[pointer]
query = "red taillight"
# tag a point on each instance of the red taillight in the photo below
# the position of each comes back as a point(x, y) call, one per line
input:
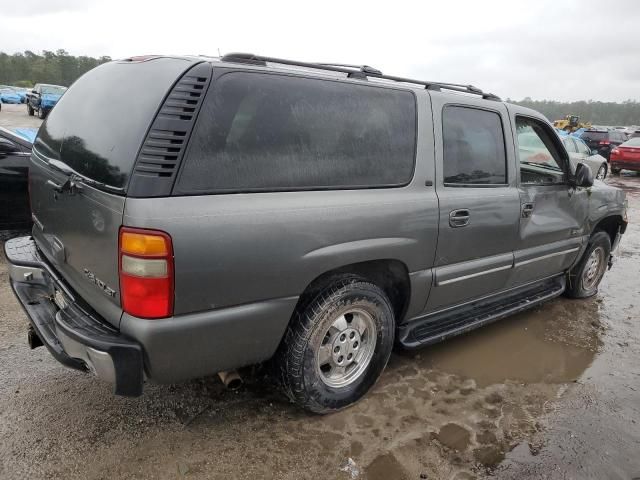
point(604, 142)
point(146, 272)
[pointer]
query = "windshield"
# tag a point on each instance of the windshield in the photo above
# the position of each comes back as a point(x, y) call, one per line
point(53, 89)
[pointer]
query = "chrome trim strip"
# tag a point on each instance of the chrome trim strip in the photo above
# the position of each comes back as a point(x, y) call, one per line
point(549, 255)
point(472, 275)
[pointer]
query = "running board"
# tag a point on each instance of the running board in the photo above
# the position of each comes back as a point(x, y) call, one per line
point(439, 326)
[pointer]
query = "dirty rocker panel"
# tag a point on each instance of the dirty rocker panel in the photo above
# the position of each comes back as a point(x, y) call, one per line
point(450, 322)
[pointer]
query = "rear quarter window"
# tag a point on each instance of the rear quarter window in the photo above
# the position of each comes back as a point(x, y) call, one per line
point(266, 132)
point(98, 125)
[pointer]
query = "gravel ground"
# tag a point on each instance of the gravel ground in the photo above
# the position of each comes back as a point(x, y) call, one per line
point(550, 393)
point(15, 116)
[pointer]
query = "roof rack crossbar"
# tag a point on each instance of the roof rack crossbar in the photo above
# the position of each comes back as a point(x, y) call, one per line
point(356, 71)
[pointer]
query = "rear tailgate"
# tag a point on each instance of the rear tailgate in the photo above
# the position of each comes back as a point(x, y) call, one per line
point(96, 130)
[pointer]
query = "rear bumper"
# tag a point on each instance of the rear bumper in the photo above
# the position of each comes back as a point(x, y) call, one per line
point(73, 334)
point(626, 164)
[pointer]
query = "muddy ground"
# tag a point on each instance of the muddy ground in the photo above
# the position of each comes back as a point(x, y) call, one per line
point(550, 393)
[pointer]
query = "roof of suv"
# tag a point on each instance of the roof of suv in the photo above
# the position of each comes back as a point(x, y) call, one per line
point(353, 72)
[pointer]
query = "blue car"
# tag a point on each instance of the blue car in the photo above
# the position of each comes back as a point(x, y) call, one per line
point(43, 98)
point(8, 95)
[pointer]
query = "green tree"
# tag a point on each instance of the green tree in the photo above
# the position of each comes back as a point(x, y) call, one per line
point(60, 68)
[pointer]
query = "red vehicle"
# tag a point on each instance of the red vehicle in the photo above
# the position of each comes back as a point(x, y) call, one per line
point(626, 156)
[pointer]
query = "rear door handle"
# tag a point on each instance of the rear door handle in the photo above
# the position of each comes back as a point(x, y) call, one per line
point(459, 217)
point(527, 210)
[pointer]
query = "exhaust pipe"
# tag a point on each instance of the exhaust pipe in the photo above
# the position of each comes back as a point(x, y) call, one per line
point(231, 380)
point(33, 338)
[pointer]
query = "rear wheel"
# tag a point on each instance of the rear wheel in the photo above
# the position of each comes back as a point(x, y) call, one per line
point(615, 171)
point(337, 345)
point(602, 172)
point(42, 114)
point(587, 274)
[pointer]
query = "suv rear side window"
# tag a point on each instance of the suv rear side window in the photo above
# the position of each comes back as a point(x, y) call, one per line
point(473, 147)
point(264, 132)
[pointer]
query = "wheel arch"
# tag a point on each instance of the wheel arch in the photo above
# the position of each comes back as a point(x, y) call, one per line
point(391, 275)
point(611, 225)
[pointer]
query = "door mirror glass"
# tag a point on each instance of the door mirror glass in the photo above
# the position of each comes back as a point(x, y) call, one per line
point(7, 147)
point(583, 176)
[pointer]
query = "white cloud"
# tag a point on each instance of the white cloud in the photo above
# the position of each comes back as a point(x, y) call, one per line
point(568, 50)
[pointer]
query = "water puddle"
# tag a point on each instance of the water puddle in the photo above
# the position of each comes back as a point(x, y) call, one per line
point(533, 347)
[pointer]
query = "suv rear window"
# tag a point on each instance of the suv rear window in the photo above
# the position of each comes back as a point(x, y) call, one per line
point(99, 124)
point(595, 136)
point(265, 132)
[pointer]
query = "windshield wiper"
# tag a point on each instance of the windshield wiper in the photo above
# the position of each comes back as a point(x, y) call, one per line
point(76, 178)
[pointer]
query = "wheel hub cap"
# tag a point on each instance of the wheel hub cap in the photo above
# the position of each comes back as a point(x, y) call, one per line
point(593, 269)
point(347, 348)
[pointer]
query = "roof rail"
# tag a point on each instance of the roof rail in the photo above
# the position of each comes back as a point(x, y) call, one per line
point(362, 72)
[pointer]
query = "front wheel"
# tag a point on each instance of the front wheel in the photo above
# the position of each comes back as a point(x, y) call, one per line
point(585, 277)
point(337, 345)
point(29, 109)
point(615, 171)
point(602, 172)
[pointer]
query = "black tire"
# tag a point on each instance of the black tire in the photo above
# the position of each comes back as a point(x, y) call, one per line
point(29, 109)
point(297, 361)
point(579, 283)
point(42, 114)
point(602, 172)
point(615, 171)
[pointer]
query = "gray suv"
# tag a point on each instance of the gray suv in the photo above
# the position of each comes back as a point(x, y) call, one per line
point(201, 214)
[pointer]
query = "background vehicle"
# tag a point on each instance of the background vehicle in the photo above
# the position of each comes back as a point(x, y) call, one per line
point(603, 141)
point(15, 214)
point(635, 134)
point(626, 156)
point(246, 211)
point(43, 98)
point(580, 152)
point(8, 95)
point(570, 123)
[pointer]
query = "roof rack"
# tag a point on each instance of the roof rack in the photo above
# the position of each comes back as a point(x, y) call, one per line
point(361, 72)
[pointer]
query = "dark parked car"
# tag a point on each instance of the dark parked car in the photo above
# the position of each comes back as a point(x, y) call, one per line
point(15, 214)
point(43, 98)
point(626, 156)
point(603, 141)
point(199, 215)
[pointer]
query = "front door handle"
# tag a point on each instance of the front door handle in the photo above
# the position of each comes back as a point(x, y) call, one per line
point(527, 210)
point(459, 217)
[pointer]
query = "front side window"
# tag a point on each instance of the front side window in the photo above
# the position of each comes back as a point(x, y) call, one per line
point(538, 155)
point(473, 147)
point(263, 132)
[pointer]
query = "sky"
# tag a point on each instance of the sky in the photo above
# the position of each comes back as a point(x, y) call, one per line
point(557, 50)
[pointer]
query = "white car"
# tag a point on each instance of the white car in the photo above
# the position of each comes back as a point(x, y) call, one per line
point(580, 152)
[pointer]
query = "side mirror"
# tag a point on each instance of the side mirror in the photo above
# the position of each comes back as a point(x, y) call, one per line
point(34, 91)
point(583, 176)
point(7, 147)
